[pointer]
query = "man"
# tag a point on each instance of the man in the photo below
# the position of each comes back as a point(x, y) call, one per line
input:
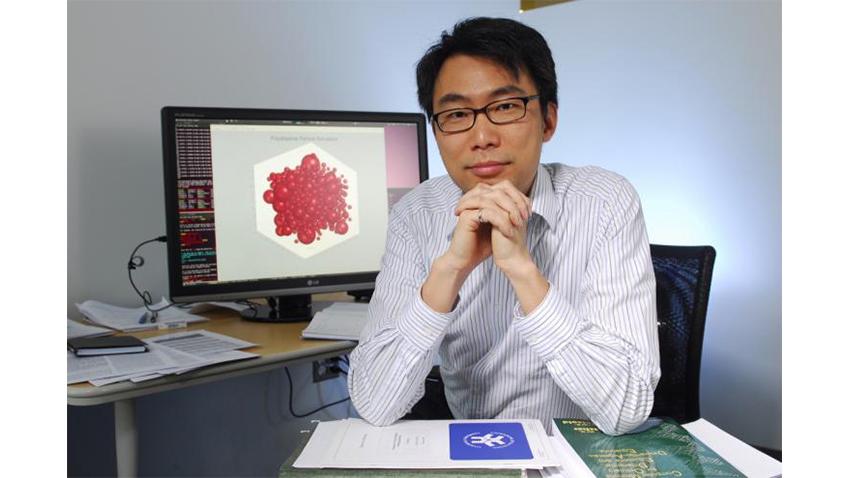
point(533, 282)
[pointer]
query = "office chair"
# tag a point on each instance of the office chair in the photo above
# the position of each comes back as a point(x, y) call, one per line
point(433, 404)
point(682, 282)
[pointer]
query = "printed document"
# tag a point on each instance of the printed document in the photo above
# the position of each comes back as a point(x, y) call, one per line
point(431, 444)
point(174, 359)
point(82, 369)
point(200, 342)
point(174, 353)
point(183, 363)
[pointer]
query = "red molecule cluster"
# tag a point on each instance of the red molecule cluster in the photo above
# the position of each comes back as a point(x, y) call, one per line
point(308, 199)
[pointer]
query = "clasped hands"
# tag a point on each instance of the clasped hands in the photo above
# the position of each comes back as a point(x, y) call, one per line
point(492, 220)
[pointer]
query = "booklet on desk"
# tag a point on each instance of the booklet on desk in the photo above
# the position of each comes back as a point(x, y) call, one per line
point(429, 444)
point(661, 448)
point(118, 344)
point(287, 470)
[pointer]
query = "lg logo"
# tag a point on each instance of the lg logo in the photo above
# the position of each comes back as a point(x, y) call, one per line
point(312, 281)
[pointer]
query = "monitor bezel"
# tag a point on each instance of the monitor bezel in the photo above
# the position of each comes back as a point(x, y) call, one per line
point(181, 293)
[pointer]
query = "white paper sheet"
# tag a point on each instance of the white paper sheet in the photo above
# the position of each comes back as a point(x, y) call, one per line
point(751, 462)
point(79, 329)
point(200, 342)
point(222, 357)
point(571, 464)
point(353, 443)
point(81, 369)
point(174, 353)
point(339, 321)
point(550, 472)
point(134, 319)
point(176, 359)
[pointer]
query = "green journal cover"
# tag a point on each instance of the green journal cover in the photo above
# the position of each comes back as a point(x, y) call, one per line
point(663, 450)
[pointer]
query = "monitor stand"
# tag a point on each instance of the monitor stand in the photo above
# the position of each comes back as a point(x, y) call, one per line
point(363, 295)
point(282, 309)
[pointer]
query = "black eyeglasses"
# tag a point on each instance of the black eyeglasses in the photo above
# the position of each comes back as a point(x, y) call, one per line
point(508, 110)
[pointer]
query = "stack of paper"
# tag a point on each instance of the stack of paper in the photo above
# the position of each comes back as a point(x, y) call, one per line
point(79, 329)
point(167, 354)
point(339, 321)
point(135, 319)
point(422, 444)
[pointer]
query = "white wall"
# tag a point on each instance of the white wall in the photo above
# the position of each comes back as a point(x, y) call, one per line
point(683, 98)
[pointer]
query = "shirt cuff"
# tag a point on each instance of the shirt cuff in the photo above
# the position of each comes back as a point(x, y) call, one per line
point(423, 327)
point(550, 327)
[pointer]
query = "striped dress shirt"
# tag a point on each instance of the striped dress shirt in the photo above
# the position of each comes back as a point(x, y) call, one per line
point(588, 350)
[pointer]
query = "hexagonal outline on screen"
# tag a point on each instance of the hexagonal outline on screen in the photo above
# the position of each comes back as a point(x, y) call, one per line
point(265, 213)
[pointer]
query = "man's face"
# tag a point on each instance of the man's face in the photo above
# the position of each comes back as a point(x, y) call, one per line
point(489, 153)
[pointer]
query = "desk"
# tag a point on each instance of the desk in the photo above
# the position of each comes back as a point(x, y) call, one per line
point(277, 345)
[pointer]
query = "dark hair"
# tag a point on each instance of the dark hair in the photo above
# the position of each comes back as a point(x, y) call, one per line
point(507, 42)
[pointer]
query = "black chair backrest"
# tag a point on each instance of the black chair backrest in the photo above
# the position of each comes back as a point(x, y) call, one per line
point(683, 280)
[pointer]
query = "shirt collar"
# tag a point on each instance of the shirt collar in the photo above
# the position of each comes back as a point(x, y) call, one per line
point(543, 200)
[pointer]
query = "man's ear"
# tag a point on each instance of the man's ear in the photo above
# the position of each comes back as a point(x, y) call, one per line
point(550, 121)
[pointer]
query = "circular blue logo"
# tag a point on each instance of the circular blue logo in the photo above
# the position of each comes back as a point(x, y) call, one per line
point(493, 440)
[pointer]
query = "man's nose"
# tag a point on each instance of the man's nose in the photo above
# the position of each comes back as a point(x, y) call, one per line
point(485, 133)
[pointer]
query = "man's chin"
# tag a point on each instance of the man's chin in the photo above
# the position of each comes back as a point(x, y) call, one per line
point(466, 179)
point(472, 181)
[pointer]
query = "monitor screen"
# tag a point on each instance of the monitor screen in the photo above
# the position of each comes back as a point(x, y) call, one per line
point(278, 203)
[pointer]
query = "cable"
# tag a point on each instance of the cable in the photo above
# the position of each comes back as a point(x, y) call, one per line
point(251, 305)
point(134, 263)
point(291, 411)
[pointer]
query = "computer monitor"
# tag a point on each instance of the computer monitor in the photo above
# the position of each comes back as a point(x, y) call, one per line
point(281, 204)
